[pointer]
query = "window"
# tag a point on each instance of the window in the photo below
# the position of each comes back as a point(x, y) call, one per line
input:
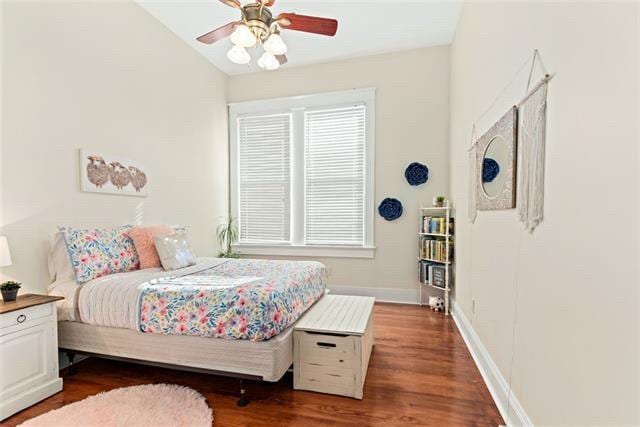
point(264, 178)
point(302, 174)
point(334, 175)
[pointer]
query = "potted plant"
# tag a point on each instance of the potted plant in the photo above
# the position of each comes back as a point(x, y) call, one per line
point(438, 201)
point(9, 290)
point(227, 234)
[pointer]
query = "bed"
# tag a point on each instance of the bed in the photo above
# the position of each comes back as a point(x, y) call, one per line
point(229, 317)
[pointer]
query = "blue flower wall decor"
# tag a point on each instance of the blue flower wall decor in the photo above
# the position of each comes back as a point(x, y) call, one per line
point(390, 209)
point(490, 169)
point(416, 173)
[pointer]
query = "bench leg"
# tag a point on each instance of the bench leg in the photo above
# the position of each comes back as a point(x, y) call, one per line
point(244, 400)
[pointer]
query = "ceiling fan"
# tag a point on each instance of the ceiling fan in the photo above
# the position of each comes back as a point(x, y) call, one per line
point(258, 26)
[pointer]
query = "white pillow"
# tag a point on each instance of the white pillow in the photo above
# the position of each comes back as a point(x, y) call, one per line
point(59, 263)
point(174, 251)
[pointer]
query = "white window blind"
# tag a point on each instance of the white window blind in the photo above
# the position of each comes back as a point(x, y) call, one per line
point(335, 176)
point(264, 178)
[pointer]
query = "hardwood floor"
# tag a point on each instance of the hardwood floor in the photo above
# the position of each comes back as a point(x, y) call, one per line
point(420, 374)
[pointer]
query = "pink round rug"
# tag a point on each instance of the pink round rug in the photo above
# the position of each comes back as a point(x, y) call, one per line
point(143, 405)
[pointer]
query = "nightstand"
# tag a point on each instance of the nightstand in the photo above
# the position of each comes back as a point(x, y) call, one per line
point(28, 352)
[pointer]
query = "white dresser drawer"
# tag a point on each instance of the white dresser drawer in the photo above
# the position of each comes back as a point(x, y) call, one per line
point(28, 352)
point(25, 317)
point(25, 359)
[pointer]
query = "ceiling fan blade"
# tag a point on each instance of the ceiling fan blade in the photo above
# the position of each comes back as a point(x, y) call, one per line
point(282, 59)
point(218, 34)
point(308, 24)
point(232, 3)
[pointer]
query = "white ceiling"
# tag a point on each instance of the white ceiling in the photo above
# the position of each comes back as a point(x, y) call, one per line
point(364, 27)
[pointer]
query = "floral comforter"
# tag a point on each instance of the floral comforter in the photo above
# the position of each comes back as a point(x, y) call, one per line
point(237, 299)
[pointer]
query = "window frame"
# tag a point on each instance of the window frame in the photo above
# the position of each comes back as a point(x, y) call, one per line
point(297, 105)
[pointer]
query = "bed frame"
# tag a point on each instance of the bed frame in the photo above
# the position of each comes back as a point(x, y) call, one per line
point(242, 359)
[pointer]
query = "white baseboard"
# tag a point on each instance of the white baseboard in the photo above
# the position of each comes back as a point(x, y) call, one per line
point(496, 383)
point(403, 296)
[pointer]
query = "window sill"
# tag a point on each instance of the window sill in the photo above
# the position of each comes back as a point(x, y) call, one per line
point(304, 251)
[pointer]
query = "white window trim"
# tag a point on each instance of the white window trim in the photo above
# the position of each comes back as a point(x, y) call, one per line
point(297, 105)
point(293, 249)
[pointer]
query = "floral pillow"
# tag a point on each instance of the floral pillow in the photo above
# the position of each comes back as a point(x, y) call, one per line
point(97, 252)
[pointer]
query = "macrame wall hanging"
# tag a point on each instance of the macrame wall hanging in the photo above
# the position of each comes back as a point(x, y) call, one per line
point(532, 115)
point(472, 207)
point(531, 130)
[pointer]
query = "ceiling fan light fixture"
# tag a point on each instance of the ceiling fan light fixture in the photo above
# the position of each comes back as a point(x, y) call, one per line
point(268, 61)
point(275, 45)
point(243, 36)
point(238, 55)
point(258, 25)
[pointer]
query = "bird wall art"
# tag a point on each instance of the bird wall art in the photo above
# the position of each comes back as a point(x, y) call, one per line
point(100, 173)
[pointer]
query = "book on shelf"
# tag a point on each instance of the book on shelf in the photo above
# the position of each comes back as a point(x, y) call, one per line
point(437, 276)
point(436, 225)
point(432, 274)
point(434, 249)
point(423, 272)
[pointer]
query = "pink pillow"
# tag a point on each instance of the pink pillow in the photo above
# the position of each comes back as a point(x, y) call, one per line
point(145, 245)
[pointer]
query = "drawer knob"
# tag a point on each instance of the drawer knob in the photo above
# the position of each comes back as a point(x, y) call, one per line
point(21, 318)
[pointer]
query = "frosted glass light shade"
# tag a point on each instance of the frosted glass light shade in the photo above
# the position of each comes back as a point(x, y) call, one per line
point(5, 255)
point(268, 62)
point(239, 55)
point(275, 45)
point(243, 36)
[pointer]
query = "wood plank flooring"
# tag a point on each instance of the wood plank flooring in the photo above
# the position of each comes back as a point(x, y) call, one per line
point(420, 373)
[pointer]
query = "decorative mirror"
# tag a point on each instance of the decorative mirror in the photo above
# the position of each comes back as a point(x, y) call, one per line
point(496, 164)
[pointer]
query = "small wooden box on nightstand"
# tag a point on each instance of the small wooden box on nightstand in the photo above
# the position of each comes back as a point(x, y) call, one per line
point(332, 345)
point(28, 352)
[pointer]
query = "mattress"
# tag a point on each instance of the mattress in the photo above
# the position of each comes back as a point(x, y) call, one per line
point(112, 300)
point(235, 299)
point(68, 307)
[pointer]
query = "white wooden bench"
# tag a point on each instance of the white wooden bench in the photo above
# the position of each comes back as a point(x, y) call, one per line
point(332, 345)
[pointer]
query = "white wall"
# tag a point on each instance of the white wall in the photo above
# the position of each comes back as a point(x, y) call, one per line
point(104, 75)
point(412, 124)
point(575, 355)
